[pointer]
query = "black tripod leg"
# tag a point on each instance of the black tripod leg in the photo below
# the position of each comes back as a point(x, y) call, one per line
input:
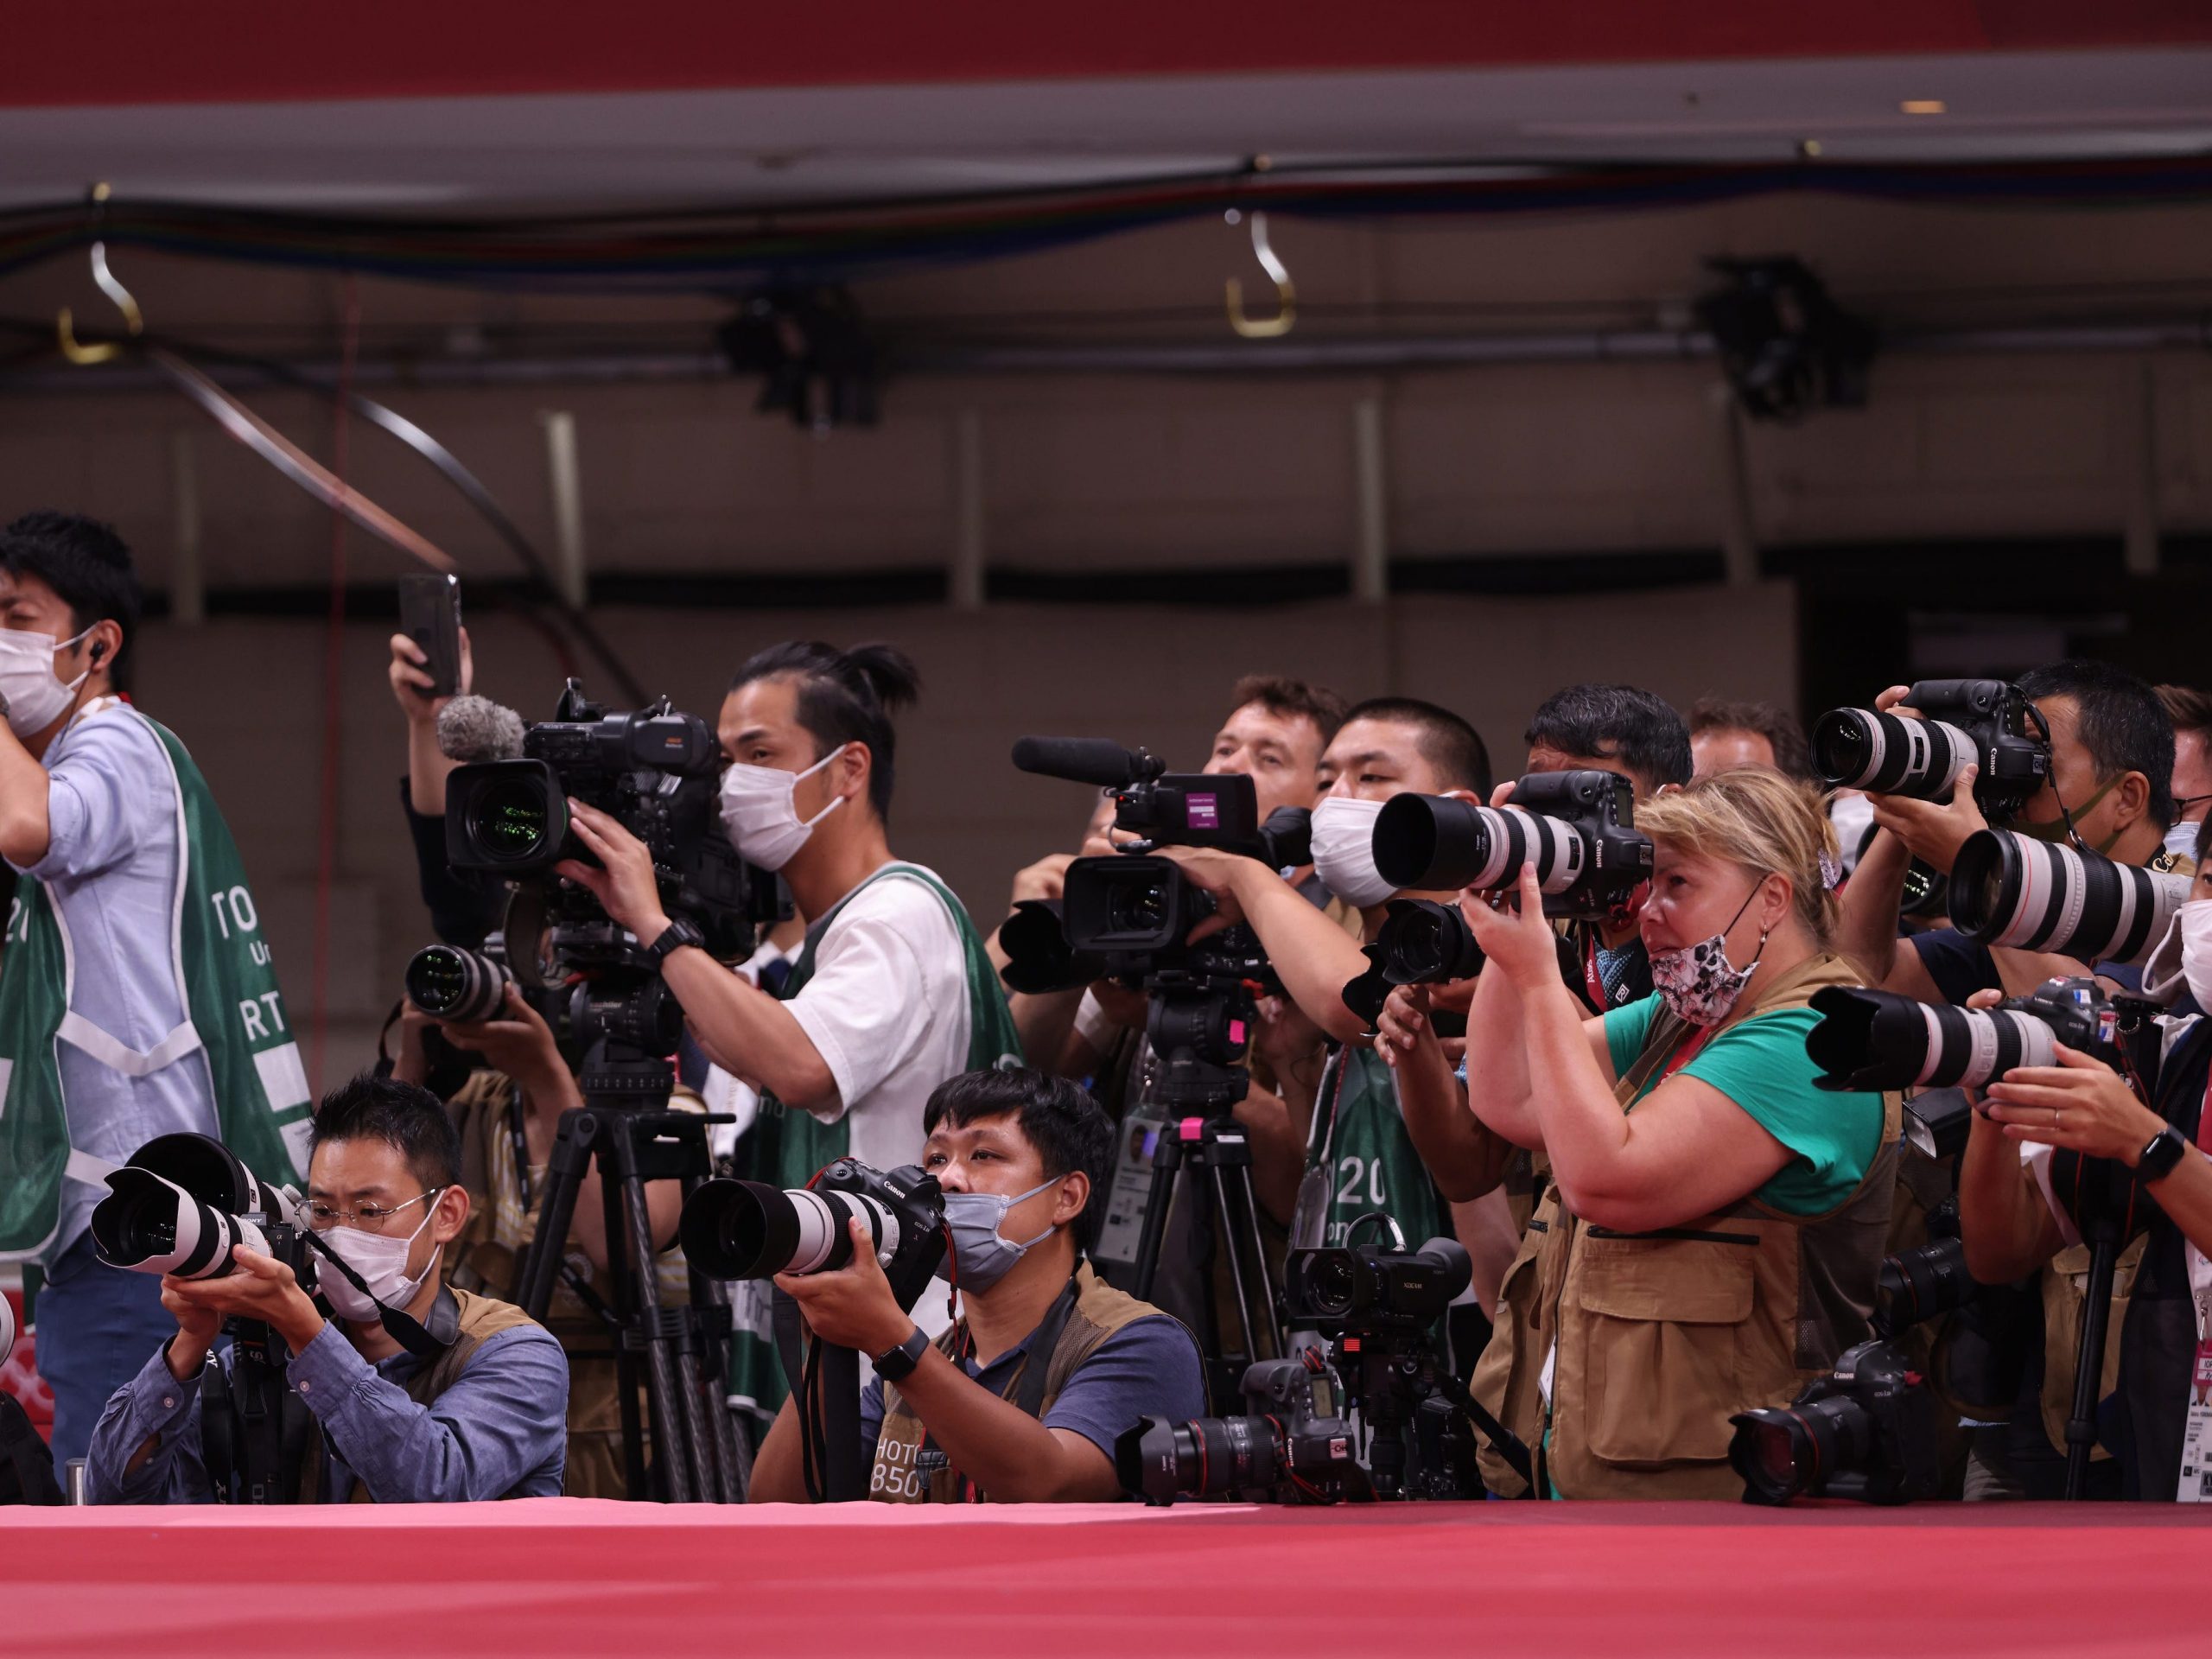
point(2090, 1365)
point(1257, 1239)
point(541, 1264)
point(733, 1469)
point(640, 1483)
point(1226, 1242)
point(1166, 1161)
point(630, 1261)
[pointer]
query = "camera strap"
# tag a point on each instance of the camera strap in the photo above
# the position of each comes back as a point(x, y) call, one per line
point(424, 1342)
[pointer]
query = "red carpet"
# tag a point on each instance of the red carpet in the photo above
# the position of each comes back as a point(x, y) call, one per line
point(556, 1576)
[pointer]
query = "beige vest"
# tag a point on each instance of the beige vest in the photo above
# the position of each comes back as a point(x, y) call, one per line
point(1660, 1336)
point(482, 1319)
point(899, 1476)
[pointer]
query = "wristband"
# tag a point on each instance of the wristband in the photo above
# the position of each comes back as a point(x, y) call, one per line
point(678, 934)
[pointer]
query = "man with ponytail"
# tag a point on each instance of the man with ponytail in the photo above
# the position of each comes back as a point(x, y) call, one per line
point(892, 993)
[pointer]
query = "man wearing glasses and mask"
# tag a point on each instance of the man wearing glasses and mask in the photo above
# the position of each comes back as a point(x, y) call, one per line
point(419, 1393)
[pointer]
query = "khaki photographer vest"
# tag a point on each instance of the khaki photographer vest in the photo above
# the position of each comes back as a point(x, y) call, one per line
point(898, 1478)
point(1662, 1336)
point(482, 1318)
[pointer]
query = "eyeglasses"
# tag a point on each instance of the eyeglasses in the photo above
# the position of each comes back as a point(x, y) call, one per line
point(369, 1217)
point(2182, 802)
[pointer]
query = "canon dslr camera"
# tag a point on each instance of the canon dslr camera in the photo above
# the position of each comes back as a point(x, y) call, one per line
point(1577, 827)
point(1987, 723)
point(1865, 1433)
point(746, 1229)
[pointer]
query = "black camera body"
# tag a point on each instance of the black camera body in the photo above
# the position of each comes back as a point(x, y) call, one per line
point(1294, 1446)
point(1879, 1039)
point(1422, 942)
point(1988, 723)
point(748, 1229)
point(655, 771)
point(1577, 827)
point(1866, 1433)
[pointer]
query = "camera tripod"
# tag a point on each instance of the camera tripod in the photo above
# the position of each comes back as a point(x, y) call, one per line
point(1214, 1148)
point(1399, 1383)
point(624, 1127)
point(2108, 1219)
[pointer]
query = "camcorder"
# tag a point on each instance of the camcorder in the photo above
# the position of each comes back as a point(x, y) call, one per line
point(1866, 1433)
point(1869, 1040)
point(1988, 723)
point(1577, 827)
point(2026, 894)
point(657, 772)
point(746, 1229)
point(1129, 915)
point(1300, 1442)
point(185, 1205)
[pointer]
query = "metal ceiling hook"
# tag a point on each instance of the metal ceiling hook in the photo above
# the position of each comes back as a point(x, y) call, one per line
point(134, 320)
point(1285, 292)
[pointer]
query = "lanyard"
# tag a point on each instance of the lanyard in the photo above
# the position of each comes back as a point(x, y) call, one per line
point(1591, 979)
point(1685, 1054)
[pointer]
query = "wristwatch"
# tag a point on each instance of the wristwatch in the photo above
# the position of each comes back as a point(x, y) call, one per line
point(678, 934)
point(2157, 1160)
point(897, 1365)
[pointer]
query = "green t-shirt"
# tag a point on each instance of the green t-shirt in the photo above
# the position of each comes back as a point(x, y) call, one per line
point(1761, 1065)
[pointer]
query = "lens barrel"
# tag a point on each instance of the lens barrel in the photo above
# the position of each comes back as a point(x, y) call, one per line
point(150, 1224)
point(1207, 1457)
point(1878, 1039)
point(1424, 943)
point(1888, 755)
point(746, 1229)
point(450, 983)
point(1785, 1452)
point(1434, 843)
point(2013, 890)
point(1917, 1284)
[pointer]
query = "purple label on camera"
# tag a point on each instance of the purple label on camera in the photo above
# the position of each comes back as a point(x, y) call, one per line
point(1201, 812)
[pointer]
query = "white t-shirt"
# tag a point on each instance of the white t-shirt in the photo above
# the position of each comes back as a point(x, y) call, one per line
point(887, 1007)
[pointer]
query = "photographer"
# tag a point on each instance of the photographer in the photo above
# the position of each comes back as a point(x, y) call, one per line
point(1345, 1117)
point(1724, 735)
point(2020, 1187)
point(2190, 710)
point(506, 1117)
point(1716, 1222)
point(477, 1414)
point(2112, 765)
point(1020, 1401)
point(137, 995)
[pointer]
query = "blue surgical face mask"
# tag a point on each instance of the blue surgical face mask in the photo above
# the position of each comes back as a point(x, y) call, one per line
point(980, 1256)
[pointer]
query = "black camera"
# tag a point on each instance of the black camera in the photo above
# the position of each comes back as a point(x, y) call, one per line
point(1922, 1283)
point(1866, 1433)
point(1878, 1039)
point(745, 1229)
point(1421, 942)
point(183, 1206)
point(450, 983)
point(1988, 723)
point(1577, 827)
point(2016, 891)
point(1295, 1444)
point(656, 772)
point(1372, 1291)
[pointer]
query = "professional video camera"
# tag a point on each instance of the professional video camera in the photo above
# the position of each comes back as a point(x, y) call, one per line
point(1421, 942)
point(1868, 1432)
point(656, 773)
point(1878, 1039)
point(2013, 890)
point(744, 1229)
point(1989, 723)
point(447, 981)
point(1577, 827)
point(183, 1206)
point(1378, 1308)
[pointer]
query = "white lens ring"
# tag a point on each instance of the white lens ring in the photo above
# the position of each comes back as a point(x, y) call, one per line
point(818, 1222)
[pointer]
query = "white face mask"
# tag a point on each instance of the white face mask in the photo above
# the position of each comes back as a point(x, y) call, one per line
point(35, 699)
point(1343, 850)
point(2180, 840)
point(2192, 924)
point(760, 815)
point(1852, 816)
point(381, 1259)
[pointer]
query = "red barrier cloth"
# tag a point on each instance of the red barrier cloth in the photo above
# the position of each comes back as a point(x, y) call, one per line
point(560, 1576)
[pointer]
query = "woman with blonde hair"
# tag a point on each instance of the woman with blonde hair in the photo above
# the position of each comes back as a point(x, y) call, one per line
point(1714, 1223)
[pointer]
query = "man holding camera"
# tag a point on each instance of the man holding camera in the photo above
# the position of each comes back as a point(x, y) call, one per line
point(892, 991)
point(137, 995)
point(2110, 771)
point(1020, 1401)
point(471, 1405)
